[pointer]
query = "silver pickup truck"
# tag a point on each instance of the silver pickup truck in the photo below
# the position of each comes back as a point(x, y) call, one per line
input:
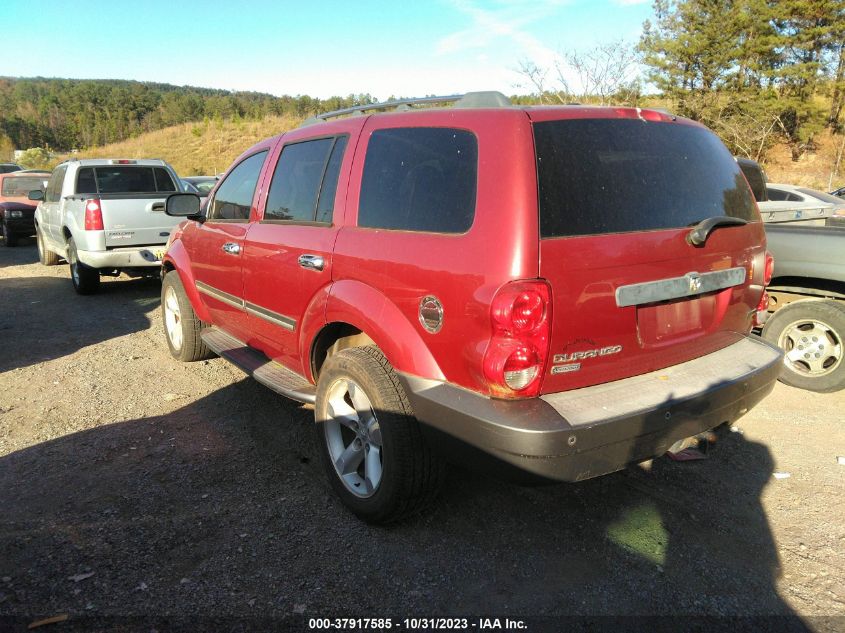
point(105, 217)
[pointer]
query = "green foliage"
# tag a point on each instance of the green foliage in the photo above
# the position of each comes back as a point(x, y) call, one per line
point(66, 113)
point(35, 158)
point(750, 69)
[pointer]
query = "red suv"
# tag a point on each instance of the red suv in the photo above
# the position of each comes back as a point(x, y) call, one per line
point(569, 289)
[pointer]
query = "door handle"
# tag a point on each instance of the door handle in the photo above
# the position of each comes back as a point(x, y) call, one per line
point(312, 262)
point(231, 248)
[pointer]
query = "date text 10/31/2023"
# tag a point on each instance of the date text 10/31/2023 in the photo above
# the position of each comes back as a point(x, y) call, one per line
point(416, 624)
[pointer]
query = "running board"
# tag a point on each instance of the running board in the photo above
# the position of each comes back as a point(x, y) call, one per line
point(268, 372)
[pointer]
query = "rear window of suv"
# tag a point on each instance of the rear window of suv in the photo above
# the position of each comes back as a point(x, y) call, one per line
point(124, 179)
point(419, 179)
point(619, 175)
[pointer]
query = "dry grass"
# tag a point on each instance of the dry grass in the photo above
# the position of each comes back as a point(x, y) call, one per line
point(206, 147)
point(814, 169)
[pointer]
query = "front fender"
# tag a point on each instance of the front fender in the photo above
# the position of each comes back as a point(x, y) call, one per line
point(177, 258)
point(376, 316)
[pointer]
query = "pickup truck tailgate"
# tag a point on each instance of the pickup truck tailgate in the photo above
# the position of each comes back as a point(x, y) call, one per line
point(136, 221)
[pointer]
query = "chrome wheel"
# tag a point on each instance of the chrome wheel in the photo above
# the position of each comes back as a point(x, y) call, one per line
point(173, 318)
point(74, 267)
point(812, 347)
point(353, 438)
point(40, 244)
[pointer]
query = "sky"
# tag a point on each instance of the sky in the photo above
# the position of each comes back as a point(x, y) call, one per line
point(407, 48)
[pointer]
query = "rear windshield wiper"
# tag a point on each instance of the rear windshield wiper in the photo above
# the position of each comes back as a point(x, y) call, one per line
point(701, 231)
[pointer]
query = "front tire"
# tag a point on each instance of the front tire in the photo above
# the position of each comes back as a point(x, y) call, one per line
point(182, 328)
point(86, 280)
point(45, 255)
point(372, 448)
point(812, 334)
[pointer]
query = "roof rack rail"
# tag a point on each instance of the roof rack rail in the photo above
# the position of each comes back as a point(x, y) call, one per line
point(488, 99)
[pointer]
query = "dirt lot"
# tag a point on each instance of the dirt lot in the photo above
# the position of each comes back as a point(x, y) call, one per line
point(132, 485)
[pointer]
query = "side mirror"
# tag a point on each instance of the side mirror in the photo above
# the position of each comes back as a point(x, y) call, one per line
point(36, 194)
point(183, 205)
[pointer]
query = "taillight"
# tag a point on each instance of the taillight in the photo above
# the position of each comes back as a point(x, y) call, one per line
point(520, 315)
point(93, 216)
point(769, 270)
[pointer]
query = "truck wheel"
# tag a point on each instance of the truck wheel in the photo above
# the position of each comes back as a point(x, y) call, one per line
point(181, 325)
point(374, 454)
point(45, 255)
point(86, 280)
point(9, 238)
point(812, 333)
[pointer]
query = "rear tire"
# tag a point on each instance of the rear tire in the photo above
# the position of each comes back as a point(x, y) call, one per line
point(9, 238)
point(45, 255)
point(86, 280)
point(372, 448)
point(182, 328)
point(812, 334)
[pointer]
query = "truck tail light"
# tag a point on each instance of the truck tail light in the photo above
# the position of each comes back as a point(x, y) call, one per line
point(520, 315)
point(93, 216)
point(769, 270)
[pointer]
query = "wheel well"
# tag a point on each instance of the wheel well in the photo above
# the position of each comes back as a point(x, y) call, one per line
point(794, 288)
point(332, 339)
point(66, 233)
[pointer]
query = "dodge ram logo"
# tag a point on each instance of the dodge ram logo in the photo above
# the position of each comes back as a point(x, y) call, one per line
point(694, 282)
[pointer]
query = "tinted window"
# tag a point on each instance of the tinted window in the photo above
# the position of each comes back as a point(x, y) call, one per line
point(54, 186)
point(777, 195)
point(85, 182)
point(419, 179)
point(293, 192)
point(163, 180)
point(234, 196)
point(8, 168)
point(325, 207)
point(125, 179)
point(21, 186)
point(615, 176)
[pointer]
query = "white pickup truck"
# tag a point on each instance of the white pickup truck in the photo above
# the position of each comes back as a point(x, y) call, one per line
point(105, 217)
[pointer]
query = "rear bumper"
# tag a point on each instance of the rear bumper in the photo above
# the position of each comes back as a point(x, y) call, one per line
point(583, 433)
point(137, 257)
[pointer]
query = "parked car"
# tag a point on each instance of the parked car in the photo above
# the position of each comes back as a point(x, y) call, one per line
point(6, 168)
point(839, 193)
point(203, 184)
point(404, 273)
point(807, 294)
point(105, 216)
point(16, 210)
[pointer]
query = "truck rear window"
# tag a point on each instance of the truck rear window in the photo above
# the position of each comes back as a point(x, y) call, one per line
point(620, 175)
point(124, 179)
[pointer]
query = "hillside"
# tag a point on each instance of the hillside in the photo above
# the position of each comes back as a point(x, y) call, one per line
point(209, 147)
point(195, 148)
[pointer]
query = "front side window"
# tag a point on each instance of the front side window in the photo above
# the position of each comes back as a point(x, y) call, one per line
point(233, 200)
point(419, 179)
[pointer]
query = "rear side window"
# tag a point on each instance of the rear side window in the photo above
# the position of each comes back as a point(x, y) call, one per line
point(419, 179)
point(233, 199)
point(296, 181)
point(617, 176)
point(54, 185)
point(163, 180)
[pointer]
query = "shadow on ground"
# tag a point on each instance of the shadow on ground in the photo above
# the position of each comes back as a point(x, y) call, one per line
point(62, 320)
point(221, 509)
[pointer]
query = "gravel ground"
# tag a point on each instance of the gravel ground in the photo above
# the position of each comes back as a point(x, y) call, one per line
point(133, 486)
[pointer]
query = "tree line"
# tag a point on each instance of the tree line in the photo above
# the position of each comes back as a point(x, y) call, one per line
point(65, 114)
point(755, 71)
